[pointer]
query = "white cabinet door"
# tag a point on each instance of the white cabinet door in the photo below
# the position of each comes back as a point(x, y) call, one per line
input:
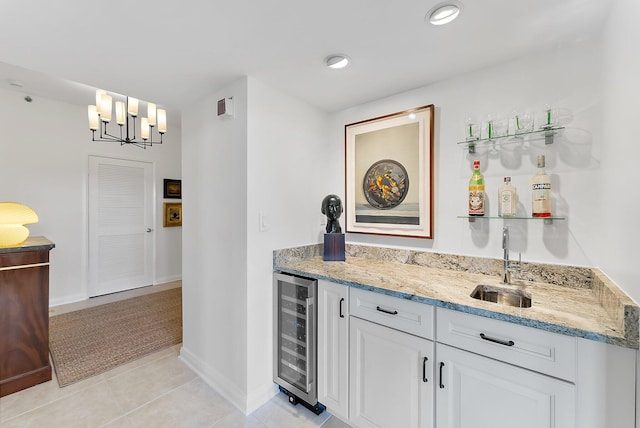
point(391, 382)
point(478, 392)
point(333, 347)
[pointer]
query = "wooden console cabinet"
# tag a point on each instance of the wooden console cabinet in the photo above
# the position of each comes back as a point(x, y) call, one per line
point(24, 315)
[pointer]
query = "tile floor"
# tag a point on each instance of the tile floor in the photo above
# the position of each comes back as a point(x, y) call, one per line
point(155, 391)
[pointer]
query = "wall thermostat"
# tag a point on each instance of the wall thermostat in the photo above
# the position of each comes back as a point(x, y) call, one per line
point(225, 107)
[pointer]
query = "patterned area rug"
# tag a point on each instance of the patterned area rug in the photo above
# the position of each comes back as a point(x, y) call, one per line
point(91, 341)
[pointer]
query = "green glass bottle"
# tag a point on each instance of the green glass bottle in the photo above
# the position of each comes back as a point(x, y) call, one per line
point(476, 191)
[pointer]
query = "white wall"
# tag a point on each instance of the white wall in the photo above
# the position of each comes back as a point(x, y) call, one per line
point(568, 78)
point(287, 160)
point(619, 234)
point(270, 159)
point(214, 158)
point(44, 150)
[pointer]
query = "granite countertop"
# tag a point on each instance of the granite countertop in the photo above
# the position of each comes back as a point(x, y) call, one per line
point(32, 243)
point(580, 302)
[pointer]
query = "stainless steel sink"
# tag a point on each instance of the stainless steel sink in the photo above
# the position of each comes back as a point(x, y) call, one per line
point(502, 295)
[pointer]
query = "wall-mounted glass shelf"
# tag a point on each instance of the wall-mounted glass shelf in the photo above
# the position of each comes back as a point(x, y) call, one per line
point(546, 132)
point(547, 220)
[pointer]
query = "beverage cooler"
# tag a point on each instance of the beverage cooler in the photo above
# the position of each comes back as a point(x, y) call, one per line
point(294, 342)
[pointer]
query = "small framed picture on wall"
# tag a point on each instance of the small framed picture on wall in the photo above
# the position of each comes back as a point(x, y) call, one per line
point(172, 188)
point(172, 214)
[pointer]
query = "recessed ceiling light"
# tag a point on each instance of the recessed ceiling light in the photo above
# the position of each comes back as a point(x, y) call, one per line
point(444, 13)
point(337, 61)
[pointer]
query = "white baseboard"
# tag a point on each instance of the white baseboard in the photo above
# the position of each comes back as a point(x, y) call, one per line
point(68, 299)
point(260, 396)
point(223, 386)
point(165, 279)
point(215, 379)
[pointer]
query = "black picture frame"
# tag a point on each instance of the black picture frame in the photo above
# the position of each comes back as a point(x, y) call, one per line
point(172, 188)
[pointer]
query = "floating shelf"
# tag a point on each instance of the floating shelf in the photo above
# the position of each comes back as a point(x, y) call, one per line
point(547, 220)
point(547, 132)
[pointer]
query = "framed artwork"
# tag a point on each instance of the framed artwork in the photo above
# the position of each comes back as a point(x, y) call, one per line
point(172, 189)
point(389, 174)
point(172, 214)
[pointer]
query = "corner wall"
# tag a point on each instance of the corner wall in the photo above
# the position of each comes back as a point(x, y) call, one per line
point(287, 161)
point(619, 234)
point(252, 184)
point(214, 245)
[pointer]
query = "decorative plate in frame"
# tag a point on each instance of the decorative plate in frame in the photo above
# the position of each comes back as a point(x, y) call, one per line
point(382, 155)
point(385, 184)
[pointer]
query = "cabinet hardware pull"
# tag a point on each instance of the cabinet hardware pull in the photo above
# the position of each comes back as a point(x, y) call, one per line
point(441, 366)
point(424, 369)
point(494, 340)
point(341, 302)
point(386, 311)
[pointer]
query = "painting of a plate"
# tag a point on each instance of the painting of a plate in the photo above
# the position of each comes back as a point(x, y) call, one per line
point(385, 184)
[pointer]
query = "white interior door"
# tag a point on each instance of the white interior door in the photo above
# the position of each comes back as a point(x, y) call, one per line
point(120, 225)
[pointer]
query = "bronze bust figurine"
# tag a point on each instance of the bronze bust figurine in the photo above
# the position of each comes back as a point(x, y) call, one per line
point(332, 208)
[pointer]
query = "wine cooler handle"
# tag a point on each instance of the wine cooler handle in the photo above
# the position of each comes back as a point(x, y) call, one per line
point(341, 302)
point(307, 338)
point(424, 369)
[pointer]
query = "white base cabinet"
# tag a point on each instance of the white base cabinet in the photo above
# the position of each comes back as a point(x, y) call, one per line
point(391, 378)
point(473, 391)
point(376, 368)
point(333, 347)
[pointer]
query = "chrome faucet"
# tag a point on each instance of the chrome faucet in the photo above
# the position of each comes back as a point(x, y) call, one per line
point(508, 266)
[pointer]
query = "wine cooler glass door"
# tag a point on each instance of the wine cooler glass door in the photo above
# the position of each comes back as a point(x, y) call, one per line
point(295, 350)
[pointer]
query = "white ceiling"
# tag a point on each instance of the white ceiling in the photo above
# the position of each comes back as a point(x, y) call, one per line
point(174, 52)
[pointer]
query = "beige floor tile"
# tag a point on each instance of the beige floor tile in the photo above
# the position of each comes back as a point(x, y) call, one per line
point(146, 383)
point(88, 407)
point(40, 395)
point(193, 405)
point(239, 420)
point(334, 422)
point(121, 422)
point(173, 351)
point(279, 413)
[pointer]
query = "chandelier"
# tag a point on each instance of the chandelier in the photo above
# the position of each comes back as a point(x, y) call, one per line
point(126, 114)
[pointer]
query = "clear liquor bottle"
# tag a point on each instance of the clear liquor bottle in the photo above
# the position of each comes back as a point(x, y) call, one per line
point(507, 199)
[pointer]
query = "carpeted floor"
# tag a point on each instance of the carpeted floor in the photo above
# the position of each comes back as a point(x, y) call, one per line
point(91, 341)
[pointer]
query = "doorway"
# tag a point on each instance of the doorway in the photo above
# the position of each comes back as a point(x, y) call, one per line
point(120, 225)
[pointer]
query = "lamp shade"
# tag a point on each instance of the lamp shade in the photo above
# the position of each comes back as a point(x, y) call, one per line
point(13, 217)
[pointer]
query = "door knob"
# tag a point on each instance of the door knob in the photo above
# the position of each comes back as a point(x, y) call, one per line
point(149, 229)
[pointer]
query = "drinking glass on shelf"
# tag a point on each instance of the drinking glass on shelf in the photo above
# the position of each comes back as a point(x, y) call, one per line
point(472, 131)
point(500, 127)
point(549, 119)
point(487, 129)
point(522, 123)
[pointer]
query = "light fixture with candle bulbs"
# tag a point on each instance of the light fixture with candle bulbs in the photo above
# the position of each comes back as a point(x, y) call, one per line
point(126, 114)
